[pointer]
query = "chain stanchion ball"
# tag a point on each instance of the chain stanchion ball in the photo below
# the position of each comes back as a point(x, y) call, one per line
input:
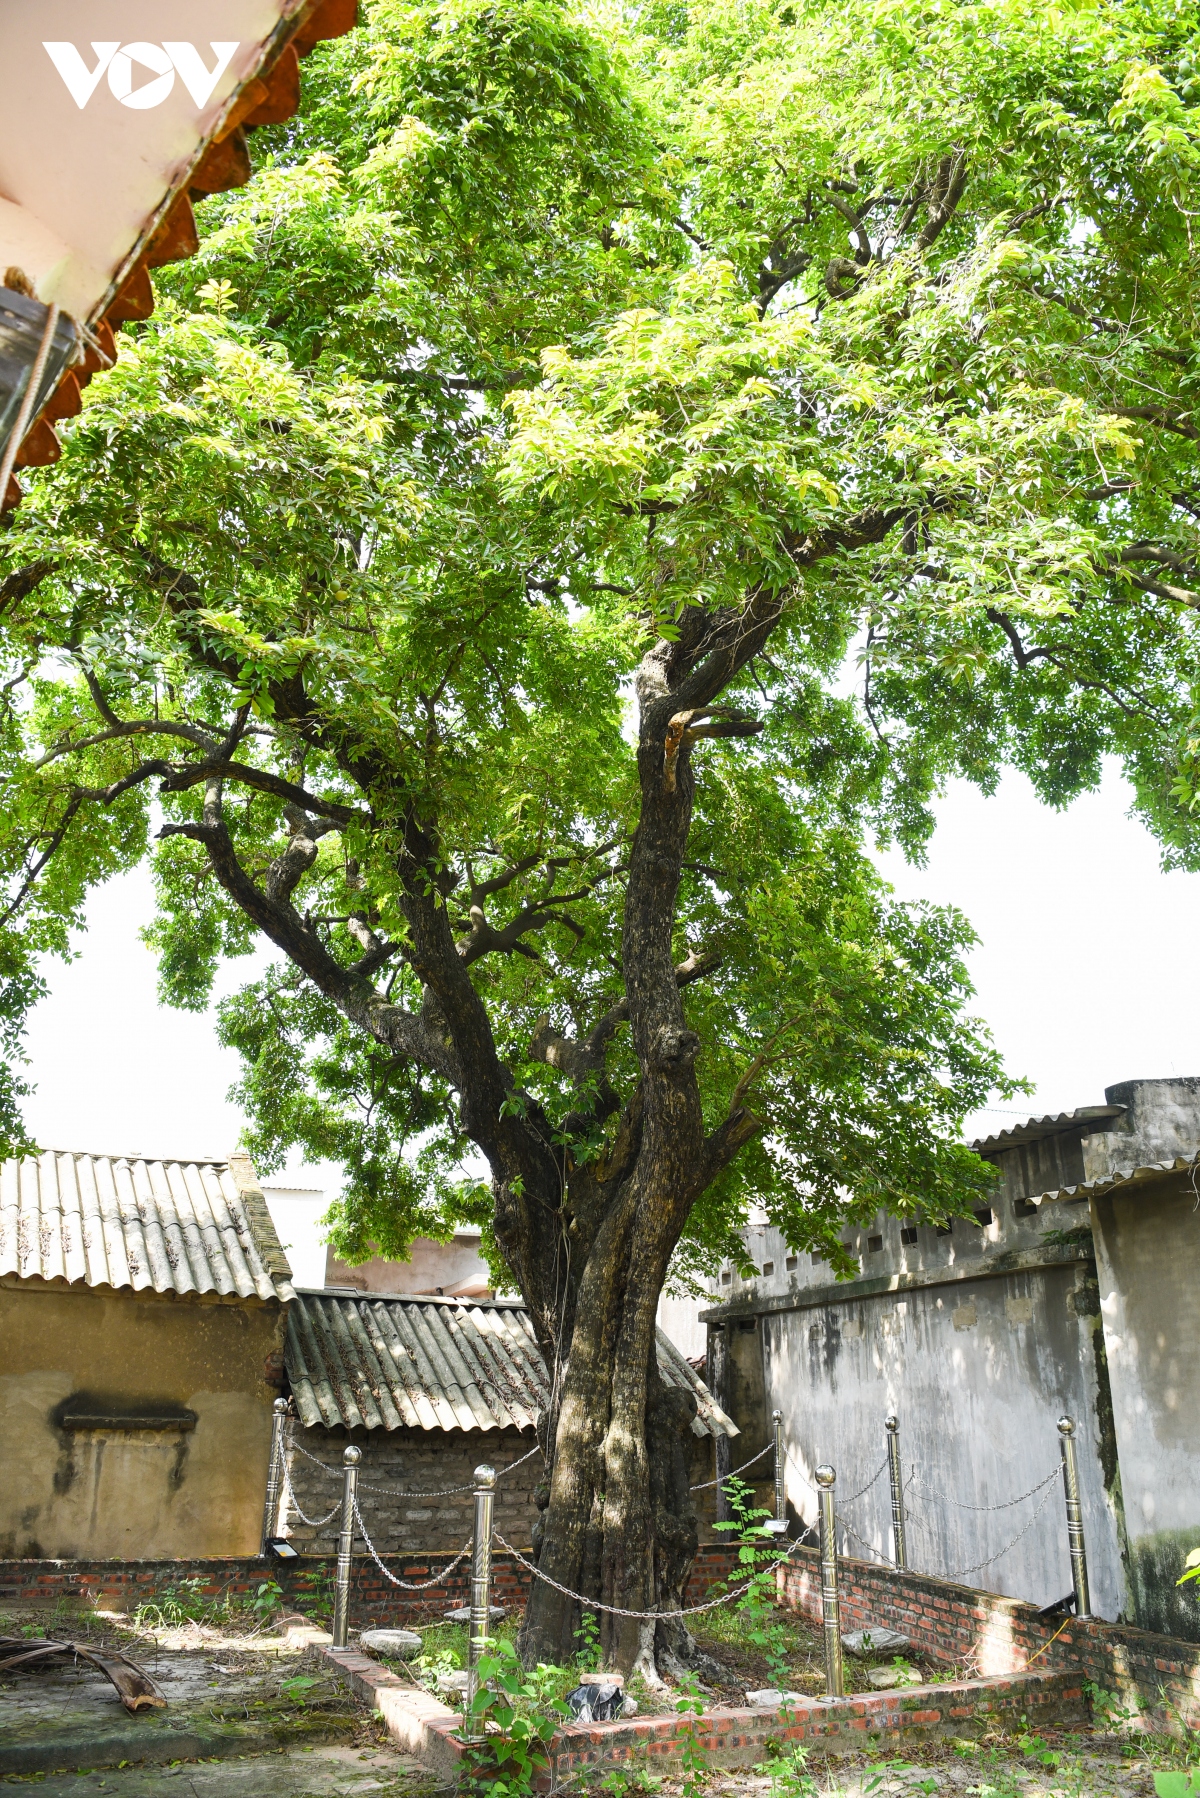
point(831, 1616)
point(899, 1544)
point(341, 1603)
point(270, 1522)
point(481, 1594)
point(1075, 1542)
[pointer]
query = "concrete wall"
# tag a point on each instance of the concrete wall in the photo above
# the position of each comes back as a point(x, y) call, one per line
point(978, 1371)
point(434, 1267)
point(979, 1335)
point(1160, 1120)
point(1148, 1262)
point(296, 1213)
point(138, 1493)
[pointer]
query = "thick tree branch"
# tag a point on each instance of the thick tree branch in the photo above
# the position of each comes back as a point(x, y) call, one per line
point(23, 581)
point(180, 779)
point(1179, 422)
point(947, 191)
point(1022, 656)
point(415, 1037)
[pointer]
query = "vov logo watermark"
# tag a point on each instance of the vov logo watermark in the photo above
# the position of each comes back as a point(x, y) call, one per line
point(163, 61)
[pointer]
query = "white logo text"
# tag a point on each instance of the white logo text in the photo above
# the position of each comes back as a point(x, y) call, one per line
point(162, 61)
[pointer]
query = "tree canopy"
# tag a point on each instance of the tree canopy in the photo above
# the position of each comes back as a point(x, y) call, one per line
point(603, 469)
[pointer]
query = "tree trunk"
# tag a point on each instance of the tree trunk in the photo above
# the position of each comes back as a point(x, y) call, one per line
point(619, 1525)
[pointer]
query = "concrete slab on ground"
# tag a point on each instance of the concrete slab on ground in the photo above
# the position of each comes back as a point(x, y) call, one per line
point(323, 1772)
point(223, 1700)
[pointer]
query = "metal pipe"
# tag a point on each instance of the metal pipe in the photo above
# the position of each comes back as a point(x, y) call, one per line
point(780, 1496)
point(830, 1608)
point(899, 1546)
point(481, 1593)
point(270, 1524)
point(341, 1603)
point(1075, 1542)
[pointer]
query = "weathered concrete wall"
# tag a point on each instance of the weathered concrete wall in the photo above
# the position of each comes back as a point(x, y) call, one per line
point(431, 1267)
point(978, 1371)
point(1148, 1262)
point(1161, 1120)
point(138, 1493)
point(979, 1336)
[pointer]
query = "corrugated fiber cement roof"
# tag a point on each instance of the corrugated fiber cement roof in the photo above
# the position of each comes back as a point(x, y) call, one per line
point(436, 1364)
point(125, 1221)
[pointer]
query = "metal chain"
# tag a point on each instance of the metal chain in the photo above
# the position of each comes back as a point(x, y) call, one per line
point(291, 1502)
point(854, 1496)
point(410, 1585)
point(394, 1492)
point(1005, 1505)
point(615, 1610)
point(705, 1484)
point(862, 1542)
point(977, 1566)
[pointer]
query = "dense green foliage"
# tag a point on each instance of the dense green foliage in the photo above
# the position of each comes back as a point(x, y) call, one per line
point(538, 331)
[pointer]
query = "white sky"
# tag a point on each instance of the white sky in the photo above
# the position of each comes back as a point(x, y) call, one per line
point(1087, 974)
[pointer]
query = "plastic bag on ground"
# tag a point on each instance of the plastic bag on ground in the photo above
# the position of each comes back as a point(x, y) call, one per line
point(596, 1703)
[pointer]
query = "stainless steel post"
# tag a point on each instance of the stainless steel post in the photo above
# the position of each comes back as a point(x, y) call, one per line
point(1075, 1542)
point(899, 1546)
point(780, 1498)
point(481, 1593)
point(270, 1523)
point(341, 1602)
point(830, 1608)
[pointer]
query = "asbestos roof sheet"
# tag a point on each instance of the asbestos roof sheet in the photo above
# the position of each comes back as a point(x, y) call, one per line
point(127, 1222)
point(1120, 1177)
point(1090, 1117)
point(435, 1364)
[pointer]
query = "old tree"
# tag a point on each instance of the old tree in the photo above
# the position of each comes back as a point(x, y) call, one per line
point(599, 472)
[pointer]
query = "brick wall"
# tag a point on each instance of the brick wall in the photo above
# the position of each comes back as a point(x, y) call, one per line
point(1157, 1676)
point(123, 1585)
point(413, 1467)
point(423, 1464)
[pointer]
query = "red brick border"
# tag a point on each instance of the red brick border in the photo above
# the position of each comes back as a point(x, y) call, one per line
point(882, 1722)
point(1158, 1676)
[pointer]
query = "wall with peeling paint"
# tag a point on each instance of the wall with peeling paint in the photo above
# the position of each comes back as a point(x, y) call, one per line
point(978, 1371)
point(1148, 1264)
point(206, 1371)
point(1076, 1291)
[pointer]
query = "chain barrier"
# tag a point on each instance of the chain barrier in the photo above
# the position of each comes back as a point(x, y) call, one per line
point(615, 1610)
point(977, 1566)
point(705, 1484)
point(393, 1491)
point(862, 1542)
point(1005, 1505)
point(854, 1496)
point(291, 1502)
point(439, 1579)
